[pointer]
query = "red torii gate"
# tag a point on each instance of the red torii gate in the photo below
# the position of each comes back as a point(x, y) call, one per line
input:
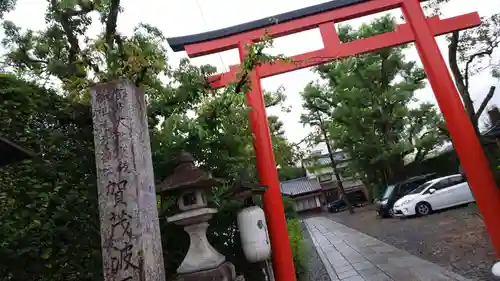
point(418, 29)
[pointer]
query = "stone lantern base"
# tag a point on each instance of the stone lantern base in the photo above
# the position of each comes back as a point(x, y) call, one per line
point(224, 272)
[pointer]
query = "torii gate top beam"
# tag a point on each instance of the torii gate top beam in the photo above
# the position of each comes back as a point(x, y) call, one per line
point(178, 43)
point(334, 49)
point(288, 23)
point(323, 16)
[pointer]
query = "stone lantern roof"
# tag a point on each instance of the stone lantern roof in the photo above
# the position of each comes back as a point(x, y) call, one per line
point(187, 176)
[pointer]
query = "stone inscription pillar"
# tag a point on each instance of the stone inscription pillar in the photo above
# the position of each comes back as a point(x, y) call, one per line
point(130, 232)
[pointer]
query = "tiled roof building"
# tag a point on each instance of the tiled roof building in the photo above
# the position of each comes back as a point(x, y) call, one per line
point(320, 186)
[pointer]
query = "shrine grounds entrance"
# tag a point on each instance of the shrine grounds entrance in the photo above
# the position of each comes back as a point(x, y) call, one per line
point(418, 29)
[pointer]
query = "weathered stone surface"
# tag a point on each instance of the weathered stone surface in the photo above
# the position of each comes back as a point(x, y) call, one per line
point(201, 255)
point(225, 272)
point(130, 232)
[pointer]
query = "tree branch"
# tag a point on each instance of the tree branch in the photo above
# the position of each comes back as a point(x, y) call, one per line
point(420, 155)
point(452, 59)
point(460, 80)
point(384, 79)
point(444, 130)
point(64, 19)
point(485, 102)
point(243, 80)
point(94, 67)
point(111, 22)
point(85, 8)
point(246, 72)
point(26, 59)
point(470, 60)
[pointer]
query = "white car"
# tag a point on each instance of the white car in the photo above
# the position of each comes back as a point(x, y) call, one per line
point(433, 195)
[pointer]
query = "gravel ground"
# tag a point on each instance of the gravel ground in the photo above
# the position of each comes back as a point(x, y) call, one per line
point(315, 269)
point(454, 238)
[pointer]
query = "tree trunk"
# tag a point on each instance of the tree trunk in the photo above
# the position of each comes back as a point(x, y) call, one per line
point(334, 167)
point(460, 80)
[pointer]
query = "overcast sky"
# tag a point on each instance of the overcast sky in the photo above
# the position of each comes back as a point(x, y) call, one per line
point(184, 17)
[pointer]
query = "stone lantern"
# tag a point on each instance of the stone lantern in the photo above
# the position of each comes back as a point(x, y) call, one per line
point(190, 184)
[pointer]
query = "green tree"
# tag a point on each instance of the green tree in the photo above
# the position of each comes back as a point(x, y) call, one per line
point(368, 100)
point(316, 119)
point(6, 6)
point(57, 52)
point(291, 172)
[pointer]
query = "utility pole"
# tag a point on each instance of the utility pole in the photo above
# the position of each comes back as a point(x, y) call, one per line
point(334, 165)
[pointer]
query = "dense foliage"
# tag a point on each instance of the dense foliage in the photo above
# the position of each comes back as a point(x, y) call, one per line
point(50, 227)
point(48, 203)
point(296, 241)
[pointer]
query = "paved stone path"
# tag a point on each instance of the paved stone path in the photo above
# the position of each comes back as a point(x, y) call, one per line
point(350, 255)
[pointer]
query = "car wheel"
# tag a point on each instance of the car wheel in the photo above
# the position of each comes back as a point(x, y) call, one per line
point(423, 209)
point(384, 215)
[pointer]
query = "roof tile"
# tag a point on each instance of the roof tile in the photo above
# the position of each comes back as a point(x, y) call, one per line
point(299, 186)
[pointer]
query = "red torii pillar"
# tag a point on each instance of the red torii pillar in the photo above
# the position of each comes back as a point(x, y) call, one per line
point(418, 29)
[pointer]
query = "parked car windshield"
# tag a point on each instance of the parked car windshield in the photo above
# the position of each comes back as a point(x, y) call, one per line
point(388, 192)
point(421, 188)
